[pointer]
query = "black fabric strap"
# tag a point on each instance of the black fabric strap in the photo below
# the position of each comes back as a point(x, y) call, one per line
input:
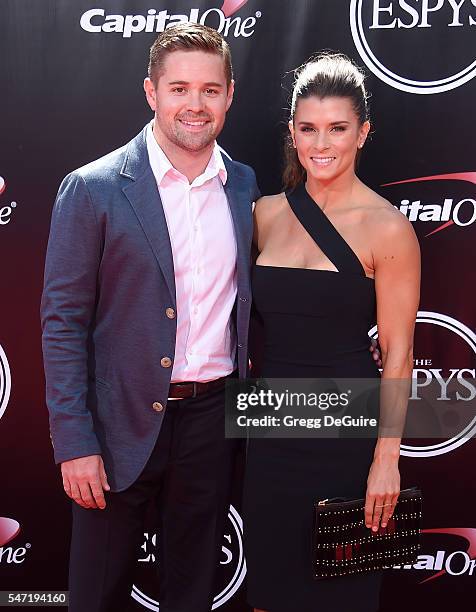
point(321, 230)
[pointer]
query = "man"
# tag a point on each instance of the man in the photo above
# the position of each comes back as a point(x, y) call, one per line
point(145, 312)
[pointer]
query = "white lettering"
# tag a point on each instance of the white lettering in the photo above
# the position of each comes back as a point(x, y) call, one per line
point(456, 210)
point(85, 21)
point(376, 12)
point(444, 385)
point(133, 23)
point(248, 24)
point(411, 11)
point(471, 20)
point(422, 362)
point(226, 551)
point(113, 23)
point(450, 558)
point(440, 557)
point(445, 215)
point(466, 384)
point(414, 208)
point(162, 18)
point(425, 9)
point(456, 9)
point(158, 22)
point(5, 215)
point(430, 212)
point(416, 211)
point(194, 15)
point(176, 20)
point(422, 378)
point(150, 23)
point(425, 562)
point(221, 18)
point(13, 555)
point(418, 383)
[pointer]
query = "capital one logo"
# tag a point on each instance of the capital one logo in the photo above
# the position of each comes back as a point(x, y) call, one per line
point(390, 34)
point(9, 529)
point(460, 378)
point(97, 20)
point(232, 563)
point(446, 211)
point(5, 382)
point(5, 211)
point(455, 563)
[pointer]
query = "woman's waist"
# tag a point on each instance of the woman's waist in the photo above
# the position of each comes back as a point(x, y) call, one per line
point(347, 362)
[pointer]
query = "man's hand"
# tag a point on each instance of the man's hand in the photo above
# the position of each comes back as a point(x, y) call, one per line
point(375, 352)
point(84, 480)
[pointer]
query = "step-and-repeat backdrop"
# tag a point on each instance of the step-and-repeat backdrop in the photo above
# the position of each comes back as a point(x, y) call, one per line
point(71, 90)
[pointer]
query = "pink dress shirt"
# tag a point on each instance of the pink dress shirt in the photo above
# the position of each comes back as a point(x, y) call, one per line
point(204, 254)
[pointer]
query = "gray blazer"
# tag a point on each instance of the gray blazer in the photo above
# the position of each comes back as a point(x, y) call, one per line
point(109, 278)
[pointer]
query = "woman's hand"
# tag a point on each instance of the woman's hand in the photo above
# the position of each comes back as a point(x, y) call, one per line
point(383, 489)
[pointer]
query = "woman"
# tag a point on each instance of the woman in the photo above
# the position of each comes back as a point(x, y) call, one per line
point(318, 295)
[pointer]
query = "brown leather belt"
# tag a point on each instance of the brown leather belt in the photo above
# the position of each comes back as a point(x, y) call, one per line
point(184, 390)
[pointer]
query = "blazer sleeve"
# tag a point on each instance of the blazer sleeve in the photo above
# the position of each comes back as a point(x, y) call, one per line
point(67, 309)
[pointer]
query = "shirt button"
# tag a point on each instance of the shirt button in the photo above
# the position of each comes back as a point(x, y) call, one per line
point(170, 312)
point(157, 406)
point(166, 362)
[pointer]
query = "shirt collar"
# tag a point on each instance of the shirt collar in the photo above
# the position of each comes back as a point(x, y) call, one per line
point(161, 165)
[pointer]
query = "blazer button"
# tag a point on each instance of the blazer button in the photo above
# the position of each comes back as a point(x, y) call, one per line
point(157, 406)
point(166, 362)
point(243, 299)
point(170, 312)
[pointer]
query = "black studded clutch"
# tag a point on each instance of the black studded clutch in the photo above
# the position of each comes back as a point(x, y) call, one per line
point(342, 544)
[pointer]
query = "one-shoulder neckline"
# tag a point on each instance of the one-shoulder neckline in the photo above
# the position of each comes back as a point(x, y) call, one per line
point(314, 270)
point(324, 233)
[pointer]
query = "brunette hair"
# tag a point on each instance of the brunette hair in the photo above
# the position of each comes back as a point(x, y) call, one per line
point(325, 75)
point(188, 37)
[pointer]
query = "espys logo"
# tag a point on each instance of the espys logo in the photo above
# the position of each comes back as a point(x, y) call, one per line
point(96, 20)
point(455, 563)
point(5, 382)
point(232, 564)
point(5, 211)
point(9, 529)
point(460, 211)
point(460, 377)
point(382, 28)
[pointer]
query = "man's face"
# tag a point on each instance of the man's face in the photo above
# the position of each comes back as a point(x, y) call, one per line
point(191, 99)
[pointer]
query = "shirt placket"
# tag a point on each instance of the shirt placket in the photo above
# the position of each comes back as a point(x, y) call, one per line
point(195, 266)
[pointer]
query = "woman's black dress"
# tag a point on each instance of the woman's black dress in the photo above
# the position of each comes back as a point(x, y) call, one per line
point(316, 324)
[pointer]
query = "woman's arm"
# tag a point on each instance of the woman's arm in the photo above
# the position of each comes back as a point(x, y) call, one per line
point(397, 283)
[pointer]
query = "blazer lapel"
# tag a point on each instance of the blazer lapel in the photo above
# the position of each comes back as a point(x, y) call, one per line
point(240, 207)
point(143, 195)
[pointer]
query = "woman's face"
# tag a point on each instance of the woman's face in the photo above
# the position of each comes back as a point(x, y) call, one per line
point(327, 134)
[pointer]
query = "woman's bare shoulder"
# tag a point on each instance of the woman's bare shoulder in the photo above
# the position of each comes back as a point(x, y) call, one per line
point(269, 204)
point(383, 217)
point(387, 229)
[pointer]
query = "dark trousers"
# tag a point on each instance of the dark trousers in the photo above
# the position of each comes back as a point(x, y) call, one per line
point(189, 476)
